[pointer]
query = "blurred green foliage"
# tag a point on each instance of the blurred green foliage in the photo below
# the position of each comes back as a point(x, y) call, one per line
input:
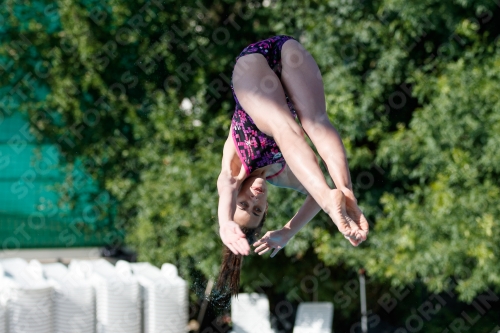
point(139, 93)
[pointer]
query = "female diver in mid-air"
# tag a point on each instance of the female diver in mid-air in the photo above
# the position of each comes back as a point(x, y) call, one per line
point(275, 81)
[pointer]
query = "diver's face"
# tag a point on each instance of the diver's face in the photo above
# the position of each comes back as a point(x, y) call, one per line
point(251, 202)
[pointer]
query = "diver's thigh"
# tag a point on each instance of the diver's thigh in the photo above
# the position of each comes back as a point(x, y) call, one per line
point(302, 80)
point(260, 93)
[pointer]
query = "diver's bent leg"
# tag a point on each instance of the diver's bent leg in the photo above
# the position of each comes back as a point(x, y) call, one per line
point(304, 85)
point(261, 94)
point(302, 80)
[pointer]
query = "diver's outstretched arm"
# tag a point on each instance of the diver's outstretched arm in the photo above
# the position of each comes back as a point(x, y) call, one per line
point(277, 239)
point(230, 232)
point(227, 186)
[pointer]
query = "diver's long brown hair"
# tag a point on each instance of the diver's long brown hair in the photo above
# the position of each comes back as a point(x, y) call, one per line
point(229, 276)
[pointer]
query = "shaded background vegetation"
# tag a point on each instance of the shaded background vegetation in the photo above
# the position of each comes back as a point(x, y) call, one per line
point(137, 94)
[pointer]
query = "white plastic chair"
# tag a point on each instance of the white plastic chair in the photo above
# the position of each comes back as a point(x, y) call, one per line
point(74, 300)
point(3, 314)
point(169, 271)
point(165, 297)
point(28, 296)
point(314, 317)
point(118, 303)
point(15, 268)
point(250, 313)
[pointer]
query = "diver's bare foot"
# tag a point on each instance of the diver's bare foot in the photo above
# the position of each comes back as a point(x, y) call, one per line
point(337, 212)
point(355, 215)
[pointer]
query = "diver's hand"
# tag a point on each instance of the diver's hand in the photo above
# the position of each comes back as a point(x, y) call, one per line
point(234, 238)
point(276, 240)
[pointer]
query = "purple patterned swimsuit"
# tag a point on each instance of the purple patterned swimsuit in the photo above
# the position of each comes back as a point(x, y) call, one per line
point(256, 149)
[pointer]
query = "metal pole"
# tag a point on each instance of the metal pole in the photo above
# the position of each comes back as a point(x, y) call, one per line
point(362, 291)
point(204, 304)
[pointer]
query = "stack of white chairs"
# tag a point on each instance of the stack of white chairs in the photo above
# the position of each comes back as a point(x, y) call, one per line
point(164, 295)
point(3, 323)
point(74, 300)
point(28, 296)
point(180, 295)
point(3, 310)
point(250, 313)
point(118, 306)
point(92, 296)
point(314, 317)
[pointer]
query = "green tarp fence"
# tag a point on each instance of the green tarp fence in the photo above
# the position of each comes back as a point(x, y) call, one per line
point(32, 214)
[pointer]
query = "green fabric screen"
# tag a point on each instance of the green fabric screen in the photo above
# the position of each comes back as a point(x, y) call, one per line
point(31, 213)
